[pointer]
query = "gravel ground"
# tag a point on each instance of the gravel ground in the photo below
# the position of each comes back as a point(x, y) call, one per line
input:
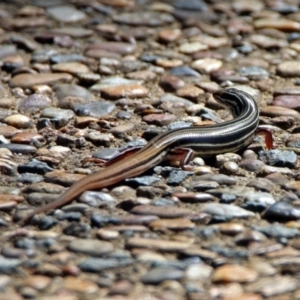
point(82, 80)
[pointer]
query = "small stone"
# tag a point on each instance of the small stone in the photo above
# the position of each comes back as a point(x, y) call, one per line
point(19, 121)
point(117, 47)
point(207, 65)
point(27, 138)
point(184, 71)
point(258, 201)
point(108, 234)
point(96, 109)
point(198, 272)
point(280, 158)
point(96, 265)
point(160, 245)
point(189, 48)
point(37, 282)
point(169, 35)
point(289, 69)
point(66, 13)
point(249, 236)
point(288, 101)
point(159, 119)
point(262, 184)
point(267, 42)
point(272, 286)
point(278, 231)
point(172, 224)
point(231, 228)
point(80, 286)
point(131, 91)
point(282, 210)
point(234, 273)
point(281, 24)
point(171, 83)
point(253, 72)
point(252, 165)
point(71, 67)
point(189, 92)
point(34, 101)
point(157, 275)
point(225, 211)
point(275, 111)
point(29, 80)
point(166, 212)
point(168, 63)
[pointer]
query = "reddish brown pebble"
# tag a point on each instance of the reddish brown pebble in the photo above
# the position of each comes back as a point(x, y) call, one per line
point(169, 35)
point(171, 83)
point(26, 137)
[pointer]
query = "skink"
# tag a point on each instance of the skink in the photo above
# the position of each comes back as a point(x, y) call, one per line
point(180, 144)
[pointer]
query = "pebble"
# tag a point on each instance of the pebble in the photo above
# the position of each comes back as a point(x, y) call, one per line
point(78, 285)
point(73, 68)
point(207, 65)
point(253, 72)
point(9, 266)
point(96, 109)
point(282, 210)
point(18, 121)
point(167, 212)
point(280, 158)
point(289, 101)
point(64, 90)
point(158, 275)
point(252, 165)
point(231, 228)
point(171, 83)
point(234, 273)
point(66, 13)
point(172, 224)
point(262, 184)
point(90, 247)
point(34, 101)
point(225, 212)
point(258, 201)
point(189, 48)
point(160, 245)
point(183, 71)
point(278, 231)
point(30, 80)
point(19, 148)
point(249, 236)
point(131, 91)
point(270, 287)
point(159, 119)
point(96, 265)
